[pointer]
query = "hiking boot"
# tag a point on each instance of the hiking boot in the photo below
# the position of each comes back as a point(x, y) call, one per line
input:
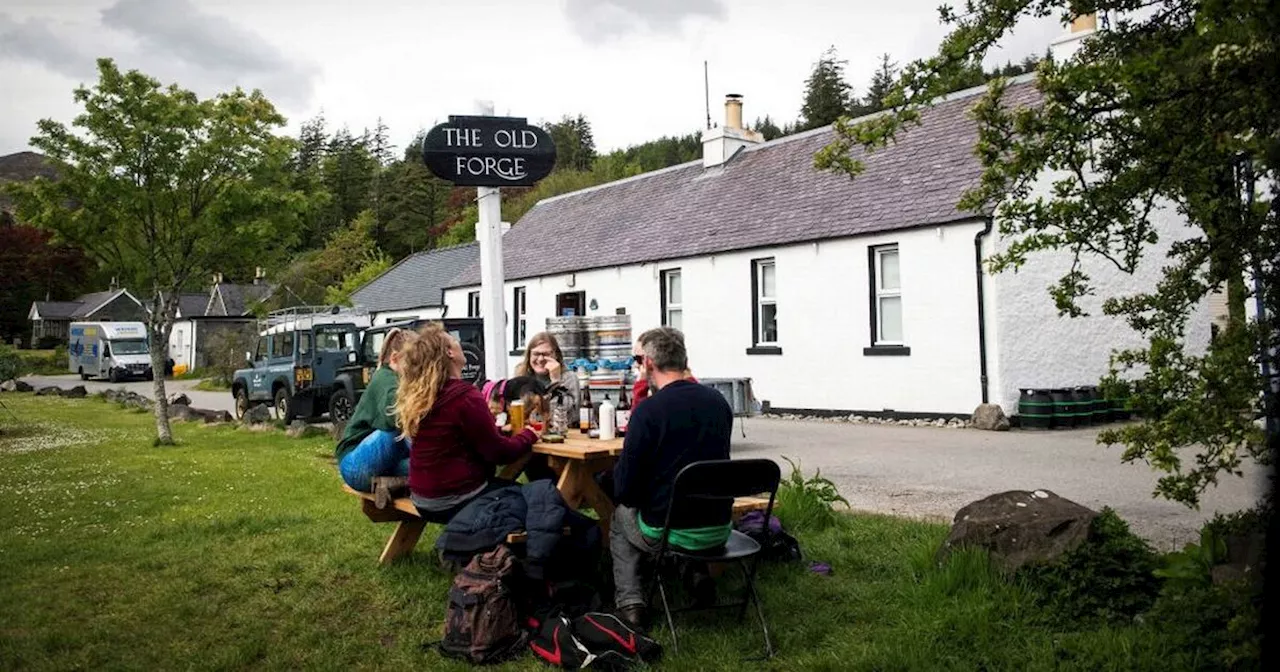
point(635, 616)
point(385, 487)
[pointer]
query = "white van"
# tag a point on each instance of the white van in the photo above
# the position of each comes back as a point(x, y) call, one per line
point(111, 350)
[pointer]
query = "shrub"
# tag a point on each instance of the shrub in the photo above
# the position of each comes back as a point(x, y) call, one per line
point(1110, 577)
point(11, 364)
point(807, 503)
point(1220, 624)
point(47, 342)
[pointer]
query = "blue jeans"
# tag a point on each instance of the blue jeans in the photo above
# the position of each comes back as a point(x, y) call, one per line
point(379, 454)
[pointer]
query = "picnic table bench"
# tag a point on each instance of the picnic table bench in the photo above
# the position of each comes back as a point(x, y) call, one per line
point(575, 461)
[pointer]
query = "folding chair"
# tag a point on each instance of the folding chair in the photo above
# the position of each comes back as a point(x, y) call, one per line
point(702, 496)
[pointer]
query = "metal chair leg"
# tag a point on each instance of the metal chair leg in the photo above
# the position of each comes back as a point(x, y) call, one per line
point(671, 624)
point(768, 645)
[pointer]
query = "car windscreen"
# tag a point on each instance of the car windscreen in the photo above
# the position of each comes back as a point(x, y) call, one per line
point(335, 339)
point(129, 347)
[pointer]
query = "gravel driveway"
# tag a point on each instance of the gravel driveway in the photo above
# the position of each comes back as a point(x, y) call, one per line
point(930, 473)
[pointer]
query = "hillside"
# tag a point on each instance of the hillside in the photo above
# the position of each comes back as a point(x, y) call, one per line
point(20, 167)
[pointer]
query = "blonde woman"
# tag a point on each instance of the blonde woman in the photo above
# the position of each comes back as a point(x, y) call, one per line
point(455, 444)
point(370, 448)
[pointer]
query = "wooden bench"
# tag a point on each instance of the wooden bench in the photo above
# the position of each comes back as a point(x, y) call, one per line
point(409, 524)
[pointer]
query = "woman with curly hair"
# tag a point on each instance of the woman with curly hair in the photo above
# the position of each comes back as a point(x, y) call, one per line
point(455, 444)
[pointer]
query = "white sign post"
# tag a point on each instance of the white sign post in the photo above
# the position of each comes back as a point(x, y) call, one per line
point(489, 233)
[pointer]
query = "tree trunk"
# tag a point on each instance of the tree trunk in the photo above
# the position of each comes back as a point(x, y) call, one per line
point(159, 355)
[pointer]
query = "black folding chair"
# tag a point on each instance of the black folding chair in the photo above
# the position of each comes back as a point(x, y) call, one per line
point(702, 496)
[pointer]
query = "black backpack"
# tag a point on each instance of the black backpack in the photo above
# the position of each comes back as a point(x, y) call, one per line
point(481, 625)
point(593, 640)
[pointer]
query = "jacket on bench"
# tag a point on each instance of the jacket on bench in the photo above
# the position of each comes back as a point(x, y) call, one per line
point(485, 522)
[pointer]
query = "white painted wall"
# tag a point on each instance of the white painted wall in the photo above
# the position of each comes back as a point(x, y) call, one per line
point(181, 343)
point(424, 313)
point(823, 304)
point(1037, 348)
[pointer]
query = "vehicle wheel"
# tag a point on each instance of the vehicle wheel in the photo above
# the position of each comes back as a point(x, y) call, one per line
point(113, 377)
point(340, 406)
point(242, 403)
point(284, 405)
point(150, 376)
point(83, 375)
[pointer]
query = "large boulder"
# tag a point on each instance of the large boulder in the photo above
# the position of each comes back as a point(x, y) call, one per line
point(336, 430)
point(183, 413)
point(9, 386)
point(77, 392)
point(1020, 528)
point(49, 391)
point(22, 386)
point(989, 417)
point(179, 400)
point(213, 417)
point(257, 415)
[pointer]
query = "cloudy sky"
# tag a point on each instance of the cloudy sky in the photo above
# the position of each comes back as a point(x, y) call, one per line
point(633, 67)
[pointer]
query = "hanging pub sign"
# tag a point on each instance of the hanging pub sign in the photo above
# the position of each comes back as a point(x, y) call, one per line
point(489, 152)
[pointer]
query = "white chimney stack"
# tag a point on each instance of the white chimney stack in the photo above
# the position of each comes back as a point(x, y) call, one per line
point(1066, 46)
point(721, 143)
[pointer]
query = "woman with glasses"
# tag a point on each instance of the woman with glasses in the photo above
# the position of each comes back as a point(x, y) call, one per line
point(544, 361)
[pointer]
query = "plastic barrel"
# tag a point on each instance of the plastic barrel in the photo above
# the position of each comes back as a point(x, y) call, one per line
point(1101, 407)
point(1084, 406)
point(1035, 409)
point(1064, 408)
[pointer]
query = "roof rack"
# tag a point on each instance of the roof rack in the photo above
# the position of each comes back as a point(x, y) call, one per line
point(306, 316)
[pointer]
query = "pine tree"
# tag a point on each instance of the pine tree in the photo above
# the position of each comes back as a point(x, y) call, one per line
point(575, 145)
point(827, 95)
point(767, 128)
point(881, 84)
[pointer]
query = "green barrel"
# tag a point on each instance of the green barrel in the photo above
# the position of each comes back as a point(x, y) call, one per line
point(1101, 407)
point(1064, 408)
point(1035, 409)
point(1084, 405)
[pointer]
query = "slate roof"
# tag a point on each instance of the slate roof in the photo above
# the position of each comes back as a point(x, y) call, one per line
point(57, 310)
point(418, 280)
point(81, 308)
point(236, 299)
point(767, 195)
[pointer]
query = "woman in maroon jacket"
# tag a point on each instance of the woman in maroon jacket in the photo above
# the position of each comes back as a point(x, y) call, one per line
point(455, 443)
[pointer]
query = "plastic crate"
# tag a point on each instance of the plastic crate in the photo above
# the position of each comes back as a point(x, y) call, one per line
point(736, 391)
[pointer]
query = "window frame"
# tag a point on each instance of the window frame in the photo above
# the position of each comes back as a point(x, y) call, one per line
point(759, 346)
point(520, 325)
point(664, 296)
point(876, 293)
point(473, 304)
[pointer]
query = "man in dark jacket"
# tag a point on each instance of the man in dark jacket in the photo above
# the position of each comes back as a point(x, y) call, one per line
point(683, 422)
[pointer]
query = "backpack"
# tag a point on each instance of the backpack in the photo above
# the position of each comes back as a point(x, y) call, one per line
point(481, 625)
point(595, 640)
point(775, 543)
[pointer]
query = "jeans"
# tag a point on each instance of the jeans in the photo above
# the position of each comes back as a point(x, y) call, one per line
point(379, 454)
point(629, 548)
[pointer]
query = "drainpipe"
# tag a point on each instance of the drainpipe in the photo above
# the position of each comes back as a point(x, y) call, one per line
point(982, 311)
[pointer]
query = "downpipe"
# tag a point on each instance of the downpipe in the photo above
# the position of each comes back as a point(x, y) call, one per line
point(982, 309)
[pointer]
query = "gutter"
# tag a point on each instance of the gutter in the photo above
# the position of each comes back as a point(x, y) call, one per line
point(982, 312)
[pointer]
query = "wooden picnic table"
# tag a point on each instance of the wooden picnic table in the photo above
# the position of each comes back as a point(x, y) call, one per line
point(576, 462)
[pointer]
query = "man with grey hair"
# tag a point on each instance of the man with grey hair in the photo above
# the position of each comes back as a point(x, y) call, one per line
point(681, 423)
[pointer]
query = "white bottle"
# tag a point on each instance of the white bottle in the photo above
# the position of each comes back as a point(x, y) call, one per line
point(607, 419)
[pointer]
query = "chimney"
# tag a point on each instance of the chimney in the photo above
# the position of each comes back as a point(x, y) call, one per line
point(259, 276)
point(1066, 46)
point(721, 143)
point(115, 284)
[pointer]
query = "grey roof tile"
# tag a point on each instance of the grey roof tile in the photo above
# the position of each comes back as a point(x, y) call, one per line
point(767, 195)
point(418, 280)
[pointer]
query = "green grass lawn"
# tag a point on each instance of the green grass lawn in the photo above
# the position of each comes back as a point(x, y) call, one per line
point(238, 549)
